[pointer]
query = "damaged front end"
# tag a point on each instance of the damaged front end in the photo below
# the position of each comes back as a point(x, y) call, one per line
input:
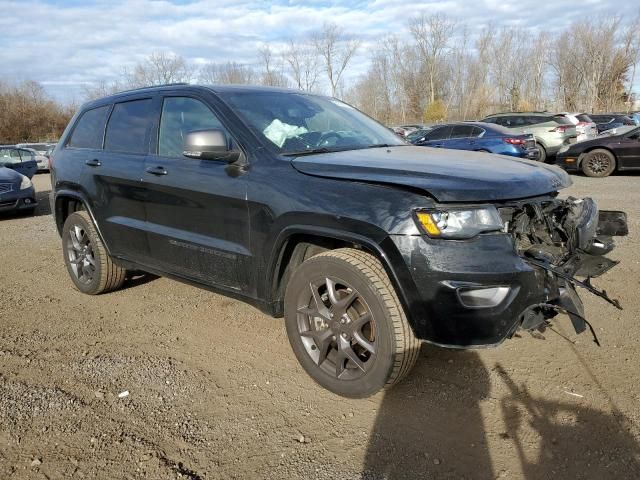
point(566, 240)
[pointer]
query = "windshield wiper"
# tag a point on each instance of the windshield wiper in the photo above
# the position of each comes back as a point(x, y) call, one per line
point(386, 145)
point(312, 151)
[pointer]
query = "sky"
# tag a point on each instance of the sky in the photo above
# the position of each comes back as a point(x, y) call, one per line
point(67, 45)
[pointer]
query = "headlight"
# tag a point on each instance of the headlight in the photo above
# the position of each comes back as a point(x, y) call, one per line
point(26, 183)
point(459, 223)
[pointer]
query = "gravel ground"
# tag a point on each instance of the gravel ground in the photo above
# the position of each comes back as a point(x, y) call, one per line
point(162, 380)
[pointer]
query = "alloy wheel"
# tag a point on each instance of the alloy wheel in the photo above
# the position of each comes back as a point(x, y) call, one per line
point(599, 162)
point(337, 329)
point(80, 254)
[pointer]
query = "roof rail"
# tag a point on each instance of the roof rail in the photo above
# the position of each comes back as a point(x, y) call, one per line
point(152, 86)
point(529, 111)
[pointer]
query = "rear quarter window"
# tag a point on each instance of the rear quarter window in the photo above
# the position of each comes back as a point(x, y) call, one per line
point(583, 118)
point(89, 129)
point(128, 126)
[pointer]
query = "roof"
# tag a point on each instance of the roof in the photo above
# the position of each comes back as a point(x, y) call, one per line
point(186, 86)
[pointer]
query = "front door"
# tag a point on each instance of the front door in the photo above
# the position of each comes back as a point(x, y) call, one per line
point(197, 212)
point(628, 150)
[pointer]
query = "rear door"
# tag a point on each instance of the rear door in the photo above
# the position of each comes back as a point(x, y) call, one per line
point(196, 209)
point(461, 138)
point(437, 137)
point(113, 178)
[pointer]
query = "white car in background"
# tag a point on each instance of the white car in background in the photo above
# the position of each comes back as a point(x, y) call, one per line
point(585, 127)
point(40, 150)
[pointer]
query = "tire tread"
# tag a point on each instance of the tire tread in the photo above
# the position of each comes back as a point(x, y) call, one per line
point(406, 345)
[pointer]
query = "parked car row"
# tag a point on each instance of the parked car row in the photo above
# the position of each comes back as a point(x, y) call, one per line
point(532, 135)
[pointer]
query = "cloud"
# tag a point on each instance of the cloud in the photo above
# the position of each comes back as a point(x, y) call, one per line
point(68, 44)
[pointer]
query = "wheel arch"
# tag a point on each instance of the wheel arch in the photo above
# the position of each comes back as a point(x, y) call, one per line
point(582, 156)
point(296, 244)
point(65, 203)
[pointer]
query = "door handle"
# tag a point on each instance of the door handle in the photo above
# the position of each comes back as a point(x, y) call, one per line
point(157, 170)
point(93, 162)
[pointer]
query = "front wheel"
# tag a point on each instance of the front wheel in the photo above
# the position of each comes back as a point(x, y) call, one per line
point(599, 163)
point(542, 156)
point(346, 325)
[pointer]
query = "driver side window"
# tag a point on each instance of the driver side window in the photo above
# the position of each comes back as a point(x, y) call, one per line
point(181, 115)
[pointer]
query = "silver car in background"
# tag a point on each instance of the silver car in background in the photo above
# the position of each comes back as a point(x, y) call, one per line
point(585, 127)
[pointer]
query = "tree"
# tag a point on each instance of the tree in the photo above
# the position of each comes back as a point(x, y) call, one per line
point(432, 34)
point(272, 71)
point(227, 73)
point(304, 64)
point(159, 68)
point(336, 52)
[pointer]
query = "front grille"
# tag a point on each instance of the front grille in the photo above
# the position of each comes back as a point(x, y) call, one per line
point(11, 203)
point(6, 187)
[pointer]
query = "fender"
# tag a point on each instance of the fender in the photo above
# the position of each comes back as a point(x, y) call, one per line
point(81, 197)
point(383, 248)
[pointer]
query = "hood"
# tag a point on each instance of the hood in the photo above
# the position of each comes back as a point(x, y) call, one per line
point(446, 175)
point(7, 175)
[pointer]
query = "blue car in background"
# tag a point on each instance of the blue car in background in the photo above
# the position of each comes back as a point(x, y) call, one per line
point(479, 137)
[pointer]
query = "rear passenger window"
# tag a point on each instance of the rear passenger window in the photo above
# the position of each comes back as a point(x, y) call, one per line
point(440, 133)
point(477, 132)
point(89, 129)
point(128, 125)
point(181, 115)
point(462, 131)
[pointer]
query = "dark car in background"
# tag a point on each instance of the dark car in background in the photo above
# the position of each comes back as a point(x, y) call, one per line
point(414, 136)
point(479, 137)
point(607, 121)
point(604, 154)
point(551, 132)
point(16, 192)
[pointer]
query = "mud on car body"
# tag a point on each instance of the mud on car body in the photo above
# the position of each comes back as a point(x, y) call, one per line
point(308, 209)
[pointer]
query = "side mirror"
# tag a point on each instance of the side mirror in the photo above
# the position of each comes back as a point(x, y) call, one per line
point(209, 145)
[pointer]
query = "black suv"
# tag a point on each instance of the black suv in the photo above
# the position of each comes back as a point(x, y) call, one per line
point(306, 208)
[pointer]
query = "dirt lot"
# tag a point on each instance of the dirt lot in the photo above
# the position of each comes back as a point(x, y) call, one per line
point(215, 392)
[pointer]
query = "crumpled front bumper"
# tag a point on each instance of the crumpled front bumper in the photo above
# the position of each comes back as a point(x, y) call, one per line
point(438, 271)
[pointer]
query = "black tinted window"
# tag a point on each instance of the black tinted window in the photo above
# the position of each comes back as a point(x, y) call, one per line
point(440, 133)
point(477, 131)
point(583, 118)
point(181, 115)
point(89, 129)
point(462, 131)
point(601, 118)
point(127, 128)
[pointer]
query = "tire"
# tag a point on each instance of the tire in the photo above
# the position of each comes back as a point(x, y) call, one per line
point(354, 312)
point(543, 154)
point(598, 163)
point(88, 263)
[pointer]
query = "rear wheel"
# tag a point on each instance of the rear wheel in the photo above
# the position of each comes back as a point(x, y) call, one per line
point(88, 263)
point(542, 156)
point(346, 325)
point(598, 163)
